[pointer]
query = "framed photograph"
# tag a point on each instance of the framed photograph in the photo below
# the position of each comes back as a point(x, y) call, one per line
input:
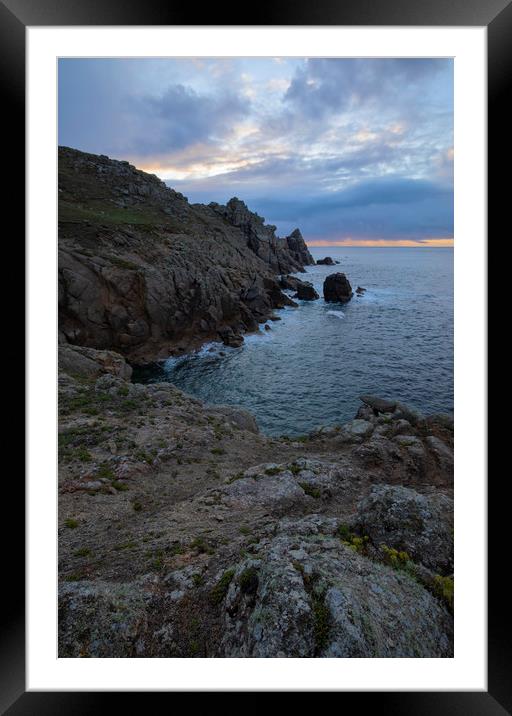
point(256, 256)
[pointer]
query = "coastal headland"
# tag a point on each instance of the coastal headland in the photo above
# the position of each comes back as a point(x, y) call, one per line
point(183, 530)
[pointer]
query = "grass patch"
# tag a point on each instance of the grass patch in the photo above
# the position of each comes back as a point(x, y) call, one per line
point(273, 470)
point(71, 523)
point(199, 544)
point(105, 471)
point(220, 590)
point(311, 490)
point(82, 552)
point(248, 580)
point(444, 589)
point(218, 451)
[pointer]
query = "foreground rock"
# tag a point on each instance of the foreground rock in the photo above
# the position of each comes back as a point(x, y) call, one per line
point(184, 532)
point(337, 288)
point(401, 518)
point(145, 273)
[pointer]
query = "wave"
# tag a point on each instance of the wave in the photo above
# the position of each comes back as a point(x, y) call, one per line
point(338, 314)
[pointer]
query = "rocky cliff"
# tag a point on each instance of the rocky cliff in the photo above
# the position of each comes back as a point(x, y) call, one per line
point(184, 532)
point(146, 273)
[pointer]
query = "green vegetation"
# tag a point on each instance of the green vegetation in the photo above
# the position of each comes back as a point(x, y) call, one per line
point(319, 609)
point(248, 580)
point(244, 530)
point(355, 542)
point(143, 456)
point(103, 213)
point(237, 476)
point(295, 469)
point(200, 545)
point(82, 552)
point(444, 588)
point(273, 470)
point(71, 523)
point(125, 545)
point(344, 532)
point(218, 451)
point(311, 490)
point(220, 590)
point(105, 471)
point(395, 558)
point(321, 621)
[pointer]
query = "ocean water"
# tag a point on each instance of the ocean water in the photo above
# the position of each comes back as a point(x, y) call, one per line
point(395, 341)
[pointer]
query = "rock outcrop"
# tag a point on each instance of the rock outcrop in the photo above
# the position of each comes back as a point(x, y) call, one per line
point(286, 255)
point(327, 261)
point(145, 273)
point(337, 288)
point(306, 292)
point(403, 519)
point(184, 532)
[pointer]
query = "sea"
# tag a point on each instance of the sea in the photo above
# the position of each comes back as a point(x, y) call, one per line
point(394, 341)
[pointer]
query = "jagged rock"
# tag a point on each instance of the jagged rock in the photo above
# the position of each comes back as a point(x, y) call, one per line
point(296, 245)
point(289, 283)
point(160, 495)
point(78, 360)
point(356, 429)
point(230, 338)
point(283, 255)
point(243, 419)
point(402, 518)
point(378, 405)
point(337, 288)
point(160, 274)
point(327, 261)
point(360, 290)
point(443, 453)
point(306, 292)
point(311, 596)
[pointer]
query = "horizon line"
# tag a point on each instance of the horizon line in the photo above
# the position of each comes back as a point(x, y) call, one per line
point(445, 243)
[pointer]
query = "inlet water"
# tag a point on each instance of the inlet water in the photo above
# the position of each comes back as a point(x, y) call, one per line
point(395, 341)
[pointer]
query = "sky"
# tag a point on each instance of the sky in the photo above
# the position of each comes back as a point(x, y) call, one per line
point(351, 151)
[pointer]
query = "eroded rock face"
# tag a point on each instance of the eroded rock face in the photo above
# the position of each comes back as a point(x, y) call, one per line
point(306, 292)
point(78, 360)
point(144, 273)
point(282, 255)
point(337, 288)
point(421, 525)
point(312, 596)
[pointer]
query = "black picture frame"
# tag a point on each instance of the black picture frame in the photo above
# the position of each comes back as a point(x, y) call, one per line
point(15, 16)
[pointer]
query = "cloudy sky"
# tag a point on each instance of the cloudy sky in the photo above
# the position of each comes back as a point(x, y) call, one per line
point(353, 151)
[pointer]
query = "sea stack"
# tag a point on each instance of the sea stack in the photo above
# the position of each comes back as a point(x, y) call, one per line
point(337, 288)
point(327, 261)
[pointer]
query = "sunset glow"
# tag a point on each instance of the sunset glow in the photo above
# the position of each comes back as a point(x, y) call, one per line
point(360, 149)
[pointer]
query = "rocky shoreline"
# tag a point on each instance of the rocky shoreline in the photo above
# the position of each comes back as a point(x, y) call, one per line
point(183, 530)
point(144, 272)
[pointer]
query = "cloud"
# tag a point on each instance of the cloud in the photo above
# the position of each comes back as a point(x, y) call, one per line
point(341, 147)
point(182, 117)
point(323, 86)
point(392, 208)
